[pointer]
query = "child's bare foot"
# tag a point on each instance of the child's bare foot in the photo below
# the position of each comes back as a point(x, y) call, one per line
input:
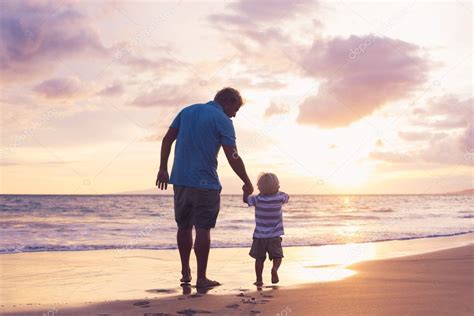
point(201, 283)
point(186, 276)
point(275, 278)
point(258, 283)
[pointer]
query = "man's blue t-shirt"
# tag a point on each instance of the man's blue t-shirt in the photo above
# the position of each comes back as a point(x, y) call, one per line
point(203, 128)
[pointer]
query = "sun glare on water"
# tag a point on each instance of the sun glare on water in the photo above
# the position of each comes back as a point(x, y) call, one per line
point(328, 263)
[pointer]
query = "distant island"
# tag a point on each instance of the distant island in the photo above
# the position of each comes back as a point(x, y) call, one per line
point(463, 192)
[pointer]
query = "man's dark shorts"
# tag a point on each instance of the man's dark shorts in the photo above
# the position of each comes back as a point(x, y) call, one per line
point(260, 247)
point(196, 207)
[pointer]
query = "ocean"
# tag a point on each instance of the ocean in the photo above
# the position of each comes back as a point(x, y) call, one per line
point(80, 222)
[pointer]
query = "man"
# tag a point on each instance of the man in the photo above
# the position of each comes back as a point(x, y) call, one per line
point(200, 130)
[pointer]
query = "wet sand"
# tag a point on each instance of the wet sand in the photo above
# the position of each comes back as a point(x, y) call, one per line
point(432, 276)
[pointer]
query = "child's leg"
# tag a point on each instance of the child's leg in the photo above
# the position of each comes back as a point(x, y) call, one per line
point(276, 265)
point(258, 271)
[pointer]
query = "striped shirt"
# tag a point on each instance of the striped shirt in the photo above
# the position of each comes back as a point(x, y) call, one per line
point(268, 214)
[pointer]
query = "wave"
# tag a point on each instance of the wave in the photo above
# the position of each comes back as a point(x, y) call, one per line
point(307, 217)
point(384, 210)
point(123, 248)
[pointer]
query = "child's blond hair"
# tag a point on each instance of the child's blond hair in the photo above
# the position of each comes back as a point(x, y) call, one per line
point(268, 183)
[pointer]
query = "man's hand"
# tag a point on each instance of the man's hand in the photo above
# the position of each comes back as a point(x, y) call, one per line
point(162, 179)
point(246, 193)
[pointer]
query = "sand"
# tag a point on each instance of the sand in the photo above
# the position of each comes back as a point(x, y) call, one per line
point(431, 276)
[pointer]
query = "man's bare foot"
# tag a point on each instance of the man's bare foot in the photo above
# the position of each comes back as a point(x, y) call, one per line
point(275, 278)
point(186, 276)
point(258, 283)
point(200, 283)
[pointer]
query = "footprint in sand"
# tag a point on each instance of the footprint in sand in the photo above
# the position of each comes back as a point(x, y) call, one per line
point(156, 314)
point(242, 295)
point(254, 312)
point(249, 301)
point(253, 301)
point(144, 304)
point(233, 306)
point(190, 312)
point(165, 291)
point(195, 295)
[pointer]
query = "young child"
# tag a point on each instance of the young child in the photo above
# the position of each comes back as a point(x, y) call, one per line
point(268, 224)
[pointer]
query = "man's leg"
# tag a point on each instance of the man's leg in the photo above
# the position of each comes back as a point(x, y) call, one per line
point(184, 238)
point(201, 249)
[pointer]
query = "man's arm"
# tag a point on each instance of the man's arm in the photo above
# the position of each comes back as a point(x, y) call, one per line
point(162, 178)
point(238, 166)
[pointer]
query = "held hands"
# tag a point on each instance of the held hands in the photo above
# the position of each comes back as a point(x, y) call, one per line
point(162, 179)
point(248, 189)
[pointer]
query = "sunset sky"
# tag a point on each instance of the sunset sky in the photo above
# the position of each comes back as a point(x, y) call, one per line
point(341, 96)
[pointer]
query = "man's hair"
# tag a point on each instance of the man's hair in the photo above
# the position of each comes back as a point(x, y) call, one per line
point(268, 183)
point(227, 95)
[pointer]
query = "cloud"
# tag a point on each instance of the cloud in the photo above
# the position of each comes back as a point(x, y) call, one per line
point(444, 113)
point(153, 64)
point(263, 84)
point(432, 147)
point(446, 124)
point(390, 157)
point(266, 34)
point(466, 140)
point(247, 14)
point(133, 56)
point(34, 163)
point(269, 10)
point(354, 85)
point(413, 136)
point(276, 109)
point(59, 88)
point(112, 90)
point(446, 149)
point(167, 96)
point(440, 149)
point(36, 36)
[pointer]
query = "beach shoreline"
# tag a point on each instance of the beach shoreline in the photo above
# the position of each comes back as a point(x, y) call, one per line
point(134, 282)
